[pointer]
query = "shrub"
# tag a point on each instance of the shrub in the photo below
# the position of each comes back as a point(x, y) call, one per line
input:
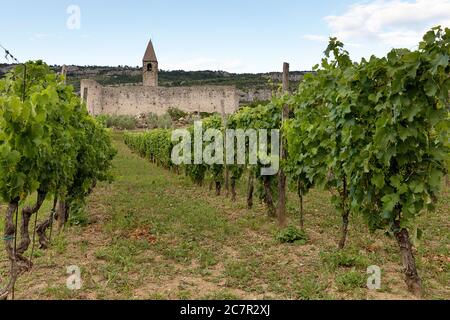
point(176, 114)
point(291, 235)
point(153, 121)
point(165, 121)
point(78, 214)
point(204, 115)
point(122, 122)
point(102, 119)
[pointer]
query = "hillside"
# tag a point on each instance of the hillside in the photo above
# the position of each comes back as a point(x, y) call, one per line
point(252, 87)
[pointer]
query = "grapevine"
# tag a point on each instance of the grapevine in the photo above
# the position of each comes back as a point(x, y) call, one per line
point(374, 133)
point(50, 146)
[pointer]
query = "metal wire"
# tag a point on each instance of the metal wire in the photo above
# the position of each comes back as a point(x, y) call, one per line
point(8, 54)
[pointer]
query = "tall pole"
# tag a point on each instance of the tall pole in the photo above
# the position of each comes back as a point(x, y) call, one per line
point(224, 123)
point(281, 210)
point(64, 73)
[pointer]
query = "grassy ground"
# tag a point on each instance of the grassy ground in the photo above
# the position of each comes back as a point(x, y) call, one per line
point(154, 235)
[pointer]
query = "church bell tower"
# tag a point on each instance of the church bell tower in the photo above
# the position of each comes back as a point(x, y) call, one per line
point(150, 67)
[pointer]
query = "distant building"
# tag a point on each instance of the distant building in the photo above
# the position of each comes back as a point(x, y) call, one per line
point(150, 67)
point(149, 97)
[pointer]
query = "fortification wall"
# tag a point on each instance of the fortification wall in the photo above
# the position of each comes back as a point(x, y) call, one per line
point(135, 100)
point(92, 93)
point(252, 95)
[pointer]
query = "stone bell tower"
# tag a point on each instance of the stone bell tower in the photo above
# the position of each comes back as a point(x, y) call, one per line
point(150, 67)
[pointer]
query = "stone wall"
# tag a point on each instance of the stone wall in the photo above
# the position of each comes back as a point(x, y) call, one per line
point(92, 93)
point(136, 100)
point(252, 95)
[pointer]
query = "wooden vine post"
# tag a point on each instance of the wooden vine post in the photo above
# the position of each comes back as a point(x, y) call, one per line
point(224, 125)
point(64, 73)
point(283, 153)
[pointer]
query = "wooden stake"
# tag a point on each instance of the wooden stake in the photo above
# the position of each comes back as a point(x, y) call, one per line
point(281, 212)
point(224, 123)
point(64, 73)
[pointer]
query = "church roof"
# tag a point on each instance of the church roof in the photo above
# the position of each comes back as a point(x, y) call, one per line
point(150, 53)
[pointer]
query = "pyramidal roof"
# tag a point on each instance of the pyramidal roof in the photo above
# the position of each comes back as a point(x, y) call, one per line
point(150, 53)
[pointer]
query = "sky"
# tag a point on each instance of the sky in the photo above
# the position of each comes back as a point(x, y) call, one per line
point(232, 35)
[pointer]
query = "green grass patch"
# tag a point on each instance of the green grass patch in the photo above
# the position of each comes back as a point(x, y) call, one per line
point(310, 287)
point(221, 295)
point(346, 258)
point(351, 280)
point(291, 234)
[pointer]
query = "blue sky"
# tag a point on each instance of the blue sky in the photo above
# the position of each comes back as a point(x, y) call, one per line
point(231, 35)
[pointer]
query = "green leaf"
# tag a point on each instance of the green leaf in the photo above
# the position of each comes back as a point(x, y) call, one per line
point(378, 180)
point(441, 60)
point(435, 177)
point(405, 132)
point(390, 201)
point(411, 111)
point(417, 186)
point(429, 37)
point(15, 108)
point(430, 88)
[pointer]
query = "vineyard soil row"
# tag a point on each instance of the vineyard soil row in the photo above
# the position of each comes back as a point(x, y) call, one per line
point(153, 234)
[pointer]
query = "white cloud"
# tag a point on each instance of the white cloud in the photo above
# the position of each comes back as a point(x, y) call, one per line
point(324, 39)
point(401, 38)
point(394, 23)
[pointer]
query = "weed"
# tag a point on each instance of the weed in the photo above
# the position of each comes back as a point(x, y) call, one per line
point(351, 280)
point(309, 287)
point(344, 258)
point(59, 242)
point(291, 235)
point(221, 295)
